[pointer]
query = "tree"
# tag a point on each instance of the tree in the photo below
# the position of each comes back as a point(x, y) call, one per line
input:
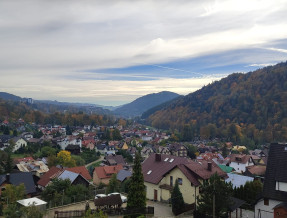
point(177, 201)
point(117, 135)
point(65, 159)
point(222, 192)
point(114, 184)
point(137, 194)
point(8, 164)
point(224, 151)
point(14, 193)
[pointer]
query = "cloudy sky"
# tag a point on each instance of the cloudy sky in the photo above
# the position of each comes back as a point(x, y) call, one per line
point(111, 52)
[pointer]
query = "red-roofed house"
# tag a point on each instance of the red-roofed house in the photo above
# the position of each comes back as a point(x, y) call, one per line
point(161, 172)
point(104, 173)
point(81, 170)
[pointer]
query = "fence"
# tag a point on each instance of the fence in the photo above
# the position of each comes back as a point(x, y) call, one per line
point(110, 211)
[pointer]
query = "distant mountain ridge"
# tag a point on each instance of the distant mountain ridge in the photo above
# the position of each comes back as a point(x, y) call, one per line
point(251, 105)
point(144, 103)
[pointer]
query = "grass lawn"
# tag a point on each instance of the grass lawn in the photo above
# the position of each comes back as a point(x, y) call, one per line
point(20, 155)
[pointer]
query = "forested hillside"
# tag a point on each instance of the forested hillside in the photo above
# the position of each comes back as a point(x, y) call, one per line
point(14, 110)
point(243, 108)
point(144, 103)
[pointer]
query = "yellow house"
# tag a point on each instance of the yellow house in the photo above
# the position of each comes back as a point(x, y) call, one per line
point(123, 145)
point(161, 171)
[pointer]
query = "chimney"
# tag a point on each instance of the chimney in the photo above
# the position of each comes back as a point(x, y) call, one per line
point(209, 166)
point(8, 177)
point(157, 157)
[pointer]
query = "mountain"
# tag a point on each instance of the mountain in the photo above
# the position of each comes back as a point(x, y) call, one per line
point(240, 107)
point(48, 106)
point(8, 96)
point(144, 103)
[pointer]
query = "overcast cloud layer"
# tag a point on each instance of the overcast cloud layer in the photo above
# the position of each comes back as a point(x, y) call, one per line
point(111, 52)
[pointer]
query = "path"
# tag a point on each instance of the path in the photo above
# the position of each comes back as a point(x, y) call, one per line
point(100, 159)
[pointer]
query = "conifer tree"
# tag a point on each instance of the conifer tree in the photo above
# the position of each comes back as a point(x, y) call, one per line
point(136, 193)
point(177, 201)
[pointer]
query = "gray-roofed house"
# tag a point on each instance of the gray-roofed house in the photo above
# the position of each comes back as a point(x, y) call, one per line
point(75, 178)
point(274, 197)
point(18, 178)
point(123, 175)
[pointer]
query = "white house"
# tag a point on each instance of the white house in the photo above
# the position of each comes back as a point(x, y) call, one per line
point(19, 142)
point(239, 162)
point(274, 197)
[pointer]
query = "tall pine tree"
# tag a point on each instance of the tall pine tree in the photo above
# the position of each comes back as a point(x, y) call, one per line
point(137, 194)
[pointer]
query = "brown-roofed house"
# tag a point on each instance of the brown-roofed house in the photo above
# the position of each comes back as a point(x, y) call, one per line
point(240, 161)
point(48, 176)
point(161, 171)
point(104, 173)
point(255, 171)
point(114, 160)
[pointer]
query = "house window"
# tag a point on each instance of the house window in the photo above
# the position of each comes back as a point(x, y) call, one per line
point(171, 181)
point(266, 201)
point(179, 180)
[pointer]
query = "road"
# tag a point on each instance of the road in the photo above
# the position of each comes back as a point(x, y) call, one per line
point(100, 159)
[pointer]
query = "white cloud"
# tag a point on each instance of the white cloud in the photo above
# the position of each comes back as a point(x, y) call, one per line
point(44, 42)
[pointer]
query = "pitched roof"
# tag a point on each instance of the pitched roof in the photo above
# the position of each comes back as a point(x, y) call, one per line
point(81, 170)
point(123, 174)
point(238, 180)
point(68, 175)
point(18, 178)
point(226, 169)
point(156, 166)
point(239, 158)
point(275, 171)
point(256, 170)
point(107, 171)
point(51, 174)
point(117, 158)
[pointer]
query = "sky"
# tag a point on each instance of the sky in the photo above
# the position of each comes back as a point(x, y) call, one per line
point(112, 52)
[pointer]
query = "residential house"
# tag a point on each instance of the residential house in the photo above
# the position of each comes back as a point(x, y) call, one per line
point(75, 178)
point(178, 150)
point(18, 143)
point(146, 151)
point(257, 171)
point(37, 168)
point(123, 175)
point(77, 175)
point(113, 159)
point(27, 135)
point(161, 171)
point(105, 149)
point(17, 179)
point(240, 161)
point(81, 170)
point(274, 197)
point(123, 146)
point(161, 149)
point(4, 141)
point(103, 174)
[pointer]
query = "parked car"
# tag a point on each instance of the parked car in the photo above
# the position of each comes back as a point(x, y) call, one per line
point(124, 198)
point(100, 196)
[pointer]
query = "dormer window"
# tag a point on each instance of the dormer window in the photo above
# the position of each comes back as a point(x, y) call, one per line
point(281, 186)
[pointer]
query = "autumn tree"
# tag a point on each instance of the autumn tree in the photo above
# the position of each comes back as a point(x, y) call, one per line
point(64, 158)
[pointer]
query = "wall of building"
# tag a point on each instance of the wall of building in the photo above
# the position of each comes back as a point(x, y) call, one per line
point(265, 211)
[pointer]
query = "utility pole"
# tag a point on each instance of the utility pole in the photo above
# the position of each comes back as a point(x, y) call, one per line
point(213, 210)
